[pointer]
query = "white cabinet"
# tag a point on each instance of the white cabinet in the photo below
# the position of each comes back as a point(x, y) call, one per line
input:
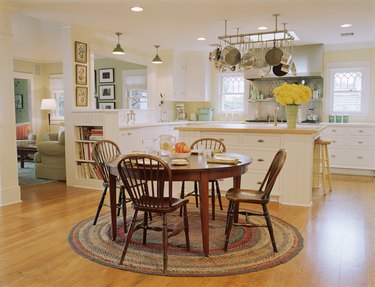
point(184, 77)
point(353, 145)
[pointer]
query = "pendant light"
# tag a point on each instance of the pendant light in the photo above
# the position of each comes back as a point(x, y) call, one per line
point(157, 59)
point(118, 50)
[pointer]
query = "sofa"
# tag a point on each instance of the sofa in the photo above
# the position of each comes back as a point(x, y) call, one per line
point(50, 157)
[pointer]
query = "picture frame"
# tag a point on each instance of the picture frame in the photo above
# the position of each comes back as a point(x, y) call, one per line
point(107, 75)
point(81, 96)
point(106, 92)
point(80, 52)
point(18, 101)
point(81, 74)
point(95, 83)
point(107, 106)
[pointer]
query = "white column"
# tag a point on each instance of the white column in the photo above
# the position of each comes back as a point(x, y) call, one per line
point(9, 188)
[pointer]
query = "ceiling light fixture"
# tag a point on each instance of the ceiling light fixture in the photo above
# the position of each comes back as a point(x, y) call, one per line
point(345, 25)
point(157, 59)
point(262, 28)
point(118, 50)
point(201, 39)
point(136, 9)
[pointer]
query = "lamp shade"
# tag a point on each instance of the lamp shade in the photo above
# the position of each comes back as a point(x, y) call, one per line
point(48, 104)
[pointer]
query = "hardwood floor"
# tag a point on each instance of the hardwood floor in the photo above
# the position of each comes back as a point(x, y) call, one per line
point(338, 231)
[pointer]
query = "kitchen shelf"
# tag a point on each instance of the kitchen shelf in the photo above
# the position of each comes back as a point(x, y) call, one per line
point(264, 100)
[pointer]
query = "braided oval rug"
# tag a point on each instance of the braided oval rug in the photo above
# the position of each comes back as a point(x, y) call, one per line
point(249, 250)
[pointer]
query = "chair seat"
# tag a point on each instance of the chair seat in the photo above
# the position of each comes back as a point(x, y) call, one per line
point(245, 195)
point(151, 204)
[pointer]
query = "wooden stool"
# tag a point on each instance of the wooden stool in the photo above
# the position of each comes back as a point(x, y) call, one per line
point(324, 162)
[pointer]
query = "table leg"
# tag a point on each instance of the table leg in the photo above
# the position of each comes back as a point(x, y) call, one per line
point(203, 195)
point(112, 199)
point(22, 158)
point(236, 184)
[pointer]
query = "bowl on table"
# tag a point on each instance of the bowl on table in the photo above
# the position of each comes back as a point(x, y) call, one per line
point(179, 155)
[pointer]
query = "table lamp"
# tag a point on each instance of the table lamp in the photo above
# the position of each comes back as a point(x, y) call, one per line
point(48, 105)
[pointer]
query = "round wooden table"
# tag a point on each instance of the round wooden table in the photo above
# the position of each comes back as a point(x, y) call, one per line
point(197, 170)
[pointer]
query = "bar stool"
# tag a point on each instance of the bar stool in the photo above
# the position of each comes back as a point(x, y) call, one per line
point(324, 163)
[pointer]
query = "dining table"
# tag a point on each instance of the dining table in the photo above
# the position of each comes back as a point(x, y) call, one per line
point(199, 168)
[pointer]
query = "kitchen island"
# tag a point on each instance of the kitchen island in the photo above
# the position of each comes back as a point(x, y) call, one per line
point(261, 141)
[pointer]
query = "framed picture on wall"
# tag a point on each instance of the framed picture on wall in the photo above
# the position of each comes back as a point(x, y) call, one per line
point(80, 52)
point(81, 74)
point(81, 96)
point(18, 102)
point(107, 106)
point(106, 92)
point(107, 75)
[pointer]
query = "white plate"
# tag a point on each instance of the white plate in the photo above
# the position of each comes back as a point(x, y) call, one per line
point(222, 156)
point(179, 161)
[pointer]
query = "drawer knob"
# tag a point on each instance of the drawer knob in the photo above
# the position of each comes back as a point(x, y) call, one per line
point(260, 141)
point(221, 139)
point(360, 157)
point(360, 142)
point(259, 182)
point(333, 141)
point(334, 131)
point(360, 131)
point(333, 156)
point(260, 159)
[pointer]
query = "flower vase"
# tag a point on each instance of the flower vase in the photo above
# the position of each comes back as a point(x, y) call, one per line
point(291, 116)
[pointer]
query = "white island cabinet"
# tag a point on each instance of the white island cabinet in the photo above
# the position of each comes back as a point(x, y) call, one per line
point(261, 142)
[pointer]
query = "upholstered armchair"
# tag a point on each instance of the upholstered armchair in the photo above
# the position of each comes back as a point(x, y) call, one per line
point(50, 158)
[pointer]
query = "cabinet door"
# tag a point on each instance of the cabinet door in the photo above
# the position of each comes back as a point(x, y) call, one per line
point(196, 80)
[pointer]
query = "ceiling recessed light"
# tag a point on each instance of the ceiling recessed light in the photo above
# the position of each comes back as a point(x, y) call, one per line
point(201, 39)
point(345, 25)
point(262, 28)
point(136, 9)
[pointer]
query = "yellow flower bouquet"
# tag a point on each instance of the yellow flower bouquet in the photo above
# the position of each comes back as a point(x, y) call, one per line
point(292, 94)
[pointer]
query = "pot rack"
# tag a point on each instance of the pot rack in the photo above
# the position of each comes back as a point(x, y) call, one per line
point(257, 38)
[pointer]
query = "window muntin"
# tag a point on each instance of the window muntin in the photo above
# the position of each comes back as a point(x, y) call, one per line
point(232, 91)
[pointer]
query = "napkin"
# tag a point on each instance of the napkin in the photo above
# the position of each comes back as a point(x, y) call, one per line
point(223, 159)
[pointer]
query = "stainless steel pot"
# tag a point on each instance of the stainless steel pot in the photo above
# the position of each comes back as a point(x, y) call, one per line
point(231, 55)
point(273, 56)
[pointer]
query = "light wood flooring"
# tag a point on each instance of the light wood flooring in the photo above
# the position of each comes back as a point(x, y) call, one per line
point(339, 246)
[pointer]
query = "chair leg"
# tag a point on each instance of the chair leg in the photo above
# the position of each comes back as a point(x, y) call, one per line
point(119, 202)
point(323, 169)
point(182, 194)
point(269, 225)
point(328, 169)
point(165, 243)
point(186, 227)
point(123, 204)
point(145, 224)
point(196, 193)
point(218, 192)
point(129, 236)
point(213, 199)
point(100, 205)
point(229, 224)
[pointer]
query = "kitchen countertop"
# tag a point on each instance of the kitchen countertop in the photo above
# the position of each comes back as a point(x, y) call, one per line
point(254, 128)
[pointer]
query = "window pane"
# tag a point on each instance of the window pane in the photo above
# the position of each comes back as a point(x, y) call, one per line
point(347, 102)
point(232, 93)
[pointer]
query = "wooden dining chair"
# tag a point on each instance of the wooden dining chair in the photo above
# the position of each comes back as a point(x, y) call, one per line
point(236, 196)
point(145, 178)
point(103, 150)
point(214, 145)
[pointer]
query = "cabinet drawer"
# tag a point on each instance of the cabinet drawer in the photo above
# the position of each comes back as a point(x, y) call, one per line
point(228, 139)
point(351, 159)
point(334, 131)
point(261, 159)
point(361, 142)
point(253, 180)
point(358, 131)
point(337, 141)
point(260, 141)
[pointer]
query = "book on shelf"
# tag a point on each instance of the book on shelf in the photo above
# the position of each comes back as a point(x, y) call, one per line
point(95, 137)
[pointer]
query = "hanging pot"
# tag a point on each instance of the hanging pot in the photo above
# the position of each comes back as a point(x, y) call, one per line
point(277, 70)
point(273, 56)
point(231, 55)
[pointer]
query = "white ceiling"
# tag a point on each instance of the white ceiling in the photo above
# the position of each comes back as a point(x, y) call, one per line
point(175, 24)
